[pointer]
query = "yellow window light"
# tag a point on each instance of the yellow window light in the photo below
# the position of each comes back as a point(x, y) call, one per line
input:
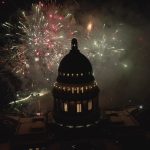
point(65, 107)
point(82, 89)
point(79, 108)
point(90, 105)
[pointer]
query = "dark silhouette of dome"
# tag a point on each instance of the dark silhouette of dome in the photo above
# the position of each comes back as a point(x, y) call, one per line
point(75, 92)
point(75, 64)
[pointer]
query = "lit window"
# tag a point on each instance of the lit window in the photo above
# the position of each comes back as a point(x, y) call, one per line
point(68, 88)
point(77, 89)
point(65, 107)
point(63, 74)
point(77, 74)
point(86, 87)
point(30, 149)
point(73, 90)
point(37, 148)
point(79, 108)
point(81, 74)
point(64, 88)
point(82, 89)
point(68, 74)
point(72, 74)
point(90, 105)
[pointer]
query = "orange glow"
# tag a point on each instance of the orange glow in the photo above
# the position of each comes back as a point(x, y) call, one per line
point(89, 26)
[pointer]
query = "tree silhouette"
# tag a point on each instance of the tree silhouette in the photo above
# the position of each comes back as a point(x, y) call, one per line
point(9, 85)
point(7, 92)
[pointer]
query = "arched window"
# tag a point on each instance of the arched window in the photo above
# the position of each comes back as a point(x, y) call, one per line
point(82, 89)
point(68, 88)
point(65, 107)
point(73, 90)
point(90, 105)
point(79, 107)
point(64, 88)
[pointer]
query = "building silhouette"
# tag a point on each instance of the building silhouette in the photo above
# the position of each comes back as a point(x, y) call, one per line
point(75, 92)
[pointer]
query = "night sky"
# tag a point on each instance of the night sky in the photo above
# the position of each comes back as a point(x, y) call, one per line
point(140, 7)
point(132, 85)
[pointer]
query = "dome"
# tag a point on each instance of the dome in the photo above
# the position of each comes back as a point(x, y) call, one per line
point(75, 62)
point(76, 93)
point(75, 67)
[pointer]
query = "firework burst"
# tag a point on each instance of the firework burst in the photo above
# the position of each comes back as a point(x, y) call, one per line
point(44, 35)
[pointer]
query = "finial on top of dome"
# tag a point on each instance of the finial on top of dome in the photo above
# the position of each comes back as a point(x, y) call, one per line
point(74, 44)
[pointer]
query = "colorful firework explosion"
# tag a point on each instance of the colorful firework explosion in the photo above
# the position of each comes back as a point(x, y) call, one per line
point(44, 35)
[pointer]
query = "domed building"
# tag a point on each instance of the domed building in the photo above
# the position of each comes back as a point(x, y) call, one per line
point(75, 92)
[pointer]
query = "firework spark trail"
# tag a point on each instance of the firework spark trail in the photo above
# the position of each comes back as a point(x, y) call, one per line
point(44, 37)
point(45, 33)
point(103, 44)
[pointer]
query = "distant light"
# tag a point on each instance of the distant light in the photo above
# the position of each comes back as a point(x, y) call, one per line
point(113, 38)
point(60, 55)
point(141, 106)
point(47, 54)
point(36, 59)
point(88, 125)
point(125, 65)
point(70, 126)
point(38, 114)
point(68, 15)
point(50, 15)
point(78, 126)
point(95, 43)
point(85, 48)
